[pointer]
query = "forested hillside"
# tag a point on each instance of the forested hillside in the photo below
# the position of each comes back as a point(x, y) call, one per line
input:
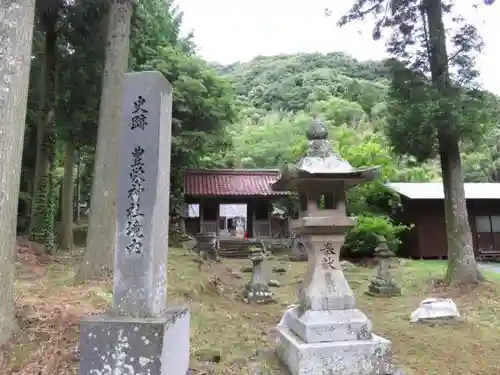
point(278, 95)
point(368, 117)
point(259, 123)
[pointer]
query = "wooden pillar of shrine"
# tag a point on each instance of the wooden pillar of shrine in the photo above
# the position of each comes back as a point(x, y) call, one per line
point(250, 218)
point(201, 213)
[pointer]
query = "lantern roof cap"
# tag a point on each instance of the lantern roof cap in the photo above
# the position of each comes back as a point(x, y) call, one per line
point(321, 162)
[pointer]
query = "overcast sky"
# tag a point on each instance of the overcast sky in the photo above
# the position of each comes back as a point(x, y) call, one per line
point(227, 31)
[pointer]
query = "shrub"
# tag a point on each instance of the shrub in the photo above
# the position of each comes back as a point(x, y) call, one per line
point(362, 240)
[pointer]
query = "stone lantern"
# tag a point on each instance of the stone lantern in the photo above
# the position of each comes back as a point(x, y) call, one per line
point(383, 284)
point(257, 290)
point(325, 334)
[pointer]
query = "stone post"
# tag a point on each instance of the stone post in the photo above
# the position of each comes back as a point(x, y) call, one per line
point(298, 252)
point(140, 335)
point(326, 334)
point(207, 246)
point(257, 290)
point(383, 284)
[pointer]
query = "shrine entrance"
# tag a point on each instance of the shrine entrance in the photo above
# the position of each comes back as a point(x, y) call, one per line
point(231, 202)
point(232, 221)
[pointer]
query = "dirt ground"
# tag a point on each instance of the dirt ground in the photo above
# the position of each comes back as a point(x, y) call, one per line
point(49, 308)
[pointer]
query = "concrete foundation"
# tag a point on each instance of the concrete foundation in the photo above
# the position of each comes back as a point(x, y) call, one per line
point(113, 345)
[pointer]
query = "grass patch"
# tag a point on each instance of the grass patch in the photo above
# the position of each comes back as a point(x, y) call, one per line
point(50, 308)
point(240, 331)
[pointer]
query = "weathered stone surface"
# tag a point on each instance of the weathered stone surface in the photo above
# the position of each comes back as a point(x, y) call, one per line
point(358, 357)
point(298, 251)
point(327, 289)
point(112, 345)
point(207, 245)
point(397, 372)
point(383, 285)
point(326, 334)
point(329, 325)
point(436, 309)
point(383, 288)
point(257, 290)
point(140, 275)
point(140, 335)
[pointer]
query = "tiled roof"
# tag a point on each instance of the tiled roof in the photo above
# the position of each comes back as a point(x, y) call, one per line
point(434, 190)
point(230, 182)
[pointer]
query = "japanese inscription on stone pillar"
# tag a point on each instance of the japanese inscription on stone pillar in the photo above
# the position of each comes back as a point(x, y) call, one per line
point(139, 118)
point(141, 251)
point(134, 214)
point(134, 228)
point(330, 256)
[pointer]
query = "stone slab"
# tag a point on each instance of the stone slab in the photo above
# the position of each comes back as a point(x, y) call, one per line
point(364, 357)
point(112, 345)
point(330, 325)
point(436, 308)
point(141, 253)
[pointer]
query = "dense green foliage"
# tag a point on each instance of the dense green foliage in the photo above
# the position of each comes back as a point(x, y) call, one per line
point(277, 98)
point(202, 105)
point(202, 101)
point(250, 115)
point(292, 83)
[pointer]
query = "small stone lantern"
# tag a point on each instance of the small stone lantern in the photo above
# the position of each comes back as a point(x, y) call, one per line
point(257, 290)
point(207, 245)
point(383, 284)
point(326, 333)
point(298, 253)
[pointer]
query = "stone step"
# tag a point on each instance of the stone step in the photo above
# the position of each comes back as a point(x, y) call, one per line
point(235, 248)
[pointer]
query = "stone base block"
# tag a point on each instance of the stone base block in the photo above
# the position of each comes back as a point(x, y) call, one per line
point(330, 325)
point(384, 290)
point(361, 357)
point(142, 346)
point(259, 293)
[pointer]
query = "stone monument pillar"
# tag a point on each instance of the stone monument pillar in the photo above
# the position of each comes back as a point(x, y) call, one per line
point(140, 335)
point(326, 334)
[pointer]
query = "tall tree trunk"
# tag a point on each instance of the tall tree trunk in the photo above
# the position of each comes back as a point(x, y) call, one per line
point(78, 187)
point(66, 227)
point(98, 258)
point(29, 189)
point(462, 267)
point(16, 28)
point(42, 217)
point(29, 175)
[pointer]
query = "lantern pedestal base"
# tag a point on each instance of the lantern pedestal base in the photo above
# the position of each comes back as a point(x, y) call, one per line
point(383, 288)
point(330, 325)
point(357, 357)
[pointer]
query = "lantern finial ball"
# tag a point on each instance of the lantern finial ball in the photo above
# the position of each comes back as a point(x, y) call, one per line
point(316, 131)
